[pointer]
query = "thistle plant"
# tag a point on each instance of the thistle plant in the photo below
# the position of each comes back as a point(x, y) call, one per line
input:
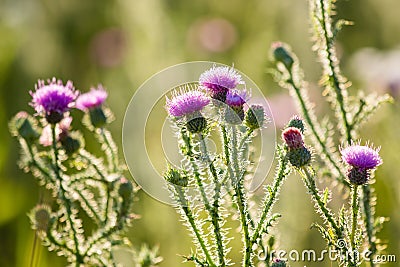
point(91, 200)
point(208, 187)
point(354, 227)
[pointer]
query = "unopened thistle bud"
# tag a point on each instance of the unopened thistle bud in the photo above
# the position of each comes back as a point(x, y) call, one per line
point(125, 189)
point(293, 138)
point(23, 125)
point(40, 217)
point(70, 144)
point(281, 54)
point(176, 177)
point(296, 122)
point(298, 154)
point(255, 117)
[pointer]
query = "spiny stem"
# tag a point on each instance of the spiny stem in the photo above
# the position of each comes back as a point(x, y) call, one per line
point(271, 198)
point(312, 123)
point(355, 214)
point(184, 205)
point(240, 199)
point(189, 153)
point(226, 144)
point(214, 211)
point(309, 181)
point(333, 70)
point(112, 157)
point(366, 196)
point(64, 199)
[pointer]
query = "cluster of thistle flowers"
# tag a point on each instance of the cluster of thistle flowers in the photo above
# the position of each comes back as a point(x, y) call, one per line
point(82, 185)
point(215, 104)
point(343, 233)
point(355, 223)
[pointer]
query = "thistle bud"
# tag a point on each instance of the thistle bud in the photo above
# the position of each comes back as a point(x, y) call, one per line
point(176, 177)
point(70, 144)
point(196, 124)
point(299, 157)
point(40, 217)
point(296, 122)
point(22, 124)
point(293, 138)
point(125, 189)
point(255, 117)
point(97, 117)
point(281, 54)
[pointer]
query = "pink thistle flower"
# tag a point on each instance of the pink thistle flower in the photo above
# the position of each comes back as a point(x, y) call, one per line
point(186, 103)
point(93, 99)
point(53, 99)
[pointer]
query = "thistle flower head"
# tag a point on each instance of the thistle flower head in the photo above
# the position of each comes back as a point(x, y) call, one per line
point(93, 99)
point(293, 138)
point(217, 81)
point(362, 157)
point(186, 103)
point(235, 98)
point(53, 99)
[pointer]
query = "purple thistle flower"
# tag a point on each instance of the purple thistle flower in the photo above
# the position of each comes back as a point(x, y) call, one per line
point(293, 138)
point(219, 80)
point(361, 157)
point(235, 98)
point(54, 99)
point(186, 103)
point(93, 99)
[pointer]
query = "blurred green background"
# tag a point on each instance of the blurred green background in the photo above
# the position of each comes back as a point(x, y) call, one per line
point(121, 43)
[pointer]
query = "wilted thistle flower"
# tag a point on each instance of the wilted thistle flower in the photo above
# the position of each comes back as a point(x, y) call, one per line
point(235, 100)
point(255, 117)
point(52, 100)
point(189, 104)
point(298, 154)
point(362, 160)
point(92, 102)
point(217, 81)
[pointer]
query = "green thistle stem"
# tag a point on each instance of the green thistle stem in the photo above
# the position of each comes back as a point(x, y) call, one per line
point(240, 200)
point(309, 181)
point(272, 196)
point(112, 156)
point(189, 215)
point(214, 210)
point(354, 206)
point(64, 199)
point(309, 117)
point(332, 68)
